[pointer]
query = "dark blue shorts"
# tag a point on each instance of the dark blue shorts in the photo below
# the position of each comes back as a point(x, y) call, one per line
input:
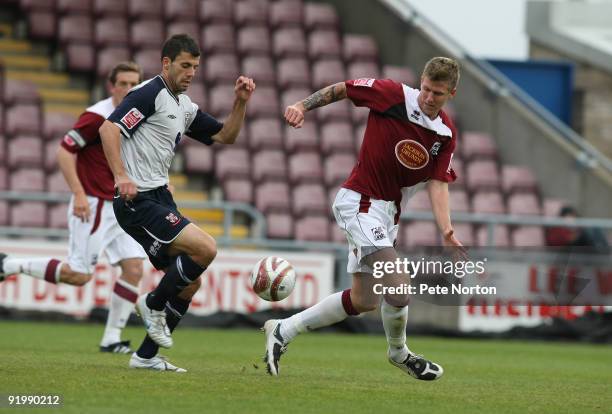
point(153, 220)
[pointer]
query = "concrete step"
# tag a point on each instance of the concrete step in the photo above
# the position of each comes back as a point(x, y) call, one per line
point(15, 46)
point(65, 96)
point(27, 62)
point(46, 79)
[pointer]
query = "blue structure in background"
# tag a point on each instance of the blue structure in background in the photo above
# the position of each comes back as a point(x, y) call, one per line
point(549, 83)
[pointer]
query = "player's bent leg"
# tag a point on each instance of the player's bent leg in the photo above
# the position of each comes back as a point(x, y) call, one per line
point(71, 277)
point(195, 243)
point(46, 268)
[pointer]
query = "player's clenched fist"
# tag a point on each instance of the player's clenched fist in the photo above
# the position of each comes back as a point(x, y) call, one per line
point(294, 115)
point(244, 88)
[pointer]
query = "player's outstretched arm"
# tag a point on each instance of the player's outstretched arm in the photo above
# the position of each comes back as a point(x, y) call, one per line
point(231, 127)
point(111, 143)
point(438, 195)
point(67, 164)
point(294, 114)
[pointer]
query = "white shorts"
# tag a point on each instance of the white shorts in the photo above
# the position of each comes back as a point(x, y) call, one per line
point(100, 233)
point(369, 225)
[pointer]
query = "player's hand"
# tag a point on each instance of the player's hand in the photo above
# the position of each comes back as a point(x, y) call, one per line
point(459, 251)
point(244, 88)
point(294, 115)
point(80, 207)
point(127, 189)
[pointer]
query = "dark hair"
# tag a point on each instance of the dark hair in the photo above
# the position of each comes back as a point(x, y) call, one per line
point(124, 67)
point(179, 43)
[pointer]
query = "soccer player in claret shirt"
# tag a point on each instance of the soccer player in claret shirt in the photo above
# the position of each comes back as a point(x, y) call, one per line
point(91, 221)
point(140, 138)
point(409, 143)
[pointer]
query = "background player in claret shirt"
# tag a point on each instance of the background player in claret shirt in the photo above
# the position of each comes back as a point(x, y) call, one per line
point(91, 221)
point(139, 140)
point(408, 143)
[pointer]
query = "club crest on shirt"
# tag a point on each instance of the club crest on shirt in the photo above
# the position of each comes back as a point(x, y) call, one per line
point(378, 233)
point(132, 118)
point(173, 219)
point(411, 154)
point(367, 82)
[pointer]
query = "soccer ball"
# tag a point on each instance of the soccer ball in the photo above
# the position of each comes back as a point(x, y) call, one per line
point(273, 278)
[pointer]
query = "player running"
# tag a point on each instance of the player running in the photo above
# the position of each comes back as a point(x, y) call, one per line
point(408, 143)
point(139, 139)
point(91, 222)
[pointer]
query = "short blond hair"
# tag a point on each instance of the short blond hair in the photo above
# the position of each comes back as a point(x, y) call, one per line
point(127, 66)
point(442, 69)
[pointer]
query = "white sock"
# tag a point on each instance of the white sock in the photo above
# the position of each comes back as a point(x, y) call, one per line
point(122, 303)
point(41, 268)
point(327, 312)
point(394, 321)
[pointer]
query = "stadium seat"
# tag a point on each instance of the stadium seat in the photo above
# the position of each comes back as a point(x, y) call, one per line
point(110, 8)
point(108, 58)
point(337, 234)
point(517, 178)
point(419, 234)
point(251, 12)
point(286, 13)
point(501, 236)
point(25, 151)
point(488, 202)
point(279, 226)
point(272, 197)
point(482, 175)
point(293, 95)
point(359, 135)
point(189, 27)
point(232, 163)
point(327, 72)
point(222, 68)
point(312, 229)
point(459, 201)
point(289, 42)
point(357, 70)
point(332, 192)
point(28, 214)
point(30, 6)
point(420, 202)
point(218, 38)
point(186, 10)
point(293, 73)
point(401, 74)
point(269, 165)
point(146, 9)
point(265, 133)
point(305, 138)
point(149, 33)
point(524, 204)
point(552, 206)
point(76, 28)
point(50, 155)
point(254, 40)
point(197, 94)
point(20, 92)
point(261, 69)
point(264, 103)
point(149, 61)
point(4, 213)
point(216, 11)
point(358, 48)
point(464, 233)
point(56, 183)
point(320, 16)
point(80, 57)
point(27, 179)
point(337, 168)
point(457, 166)
point(42, 25)
point(74, 7)
point(56, 124)
point(221, 100)
point(2, 149)
point(238, 190)
point(324, 44)
point(339, 111)
point(22, 119)
point(528, 236)
point(3, 178)
point(478, 145)
point(198, 159)
point(112, 31)
point(58, 216)
point(309, 199)
point(305, 167)
point(337, 137)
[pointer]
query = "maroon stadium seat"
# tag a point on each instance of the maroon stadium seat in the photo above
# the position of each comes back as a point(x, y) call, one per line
point(30, 6)
point(265, 133)
point(292, 73)
point(261, 69)
point(110, 8)
point(269, 165)
point(56, 124)
point(221, 68)
point(149, 61)
point(488, 202)
point(420, 202)
point(501, 236)
point(272, 196)
point(111, 31)
point(517, 178)
point(332, 192)
point(419, 234)
point(324, 44)
point(4, 213)
point(400, 74)
point(478, 145)
point(20, 92)
point(482, 175)
point(459, 201)
point(27, 179)
point(251, 12)
point(359, 114)
point(337, 168)
point(58, 216)
point(339, 111)
point(25, 151)
point(181, 10)
point(264, 103)
point(464, 233)
point(320, 16)
point(22, 119)
point(28, 214)
point(188, 27)
point(279, 225)
point(77, 28)
point(528, 236)
point(305, 138)
point(42, 25)
point(312, 229)
point(360, 48)
point(305, 167)
point(457, 166)
point(216, 11)
point(524, 204)
point(108, 58)
point(552, 206)
point(221, 100)
point(3, 178)
point(289, 42)
point(309, 199)
point(218, 38)
point(74, 6)
point(359, 70)
point(56, 183)
point(327, 72)
point(149, 33)
point(293, 95)
point(337, 234)
point(285, 13)
point(80, 57)
point(146, 9)
point(232, 163)
point(254, 40)
point(198, 159)
point(2, 150)
point(238, 190)
point(50, 155)
point(337, 137)
point(359, 135)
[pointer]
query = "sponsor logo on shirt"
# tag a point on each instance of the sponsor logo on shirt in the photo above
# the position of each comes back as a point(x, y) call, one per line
point(415, 115)
point(69, 141)
point(366, 82)
point(378, 233)
point(132, 118)
point(435, 148)
point(411, 154)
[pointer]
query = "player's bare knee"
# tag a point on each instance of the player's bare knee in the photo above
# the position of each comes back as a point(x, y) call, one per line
point(131, 270)
point(75, 278)
point(364, 303)
point(206, 251)
point(399, 301)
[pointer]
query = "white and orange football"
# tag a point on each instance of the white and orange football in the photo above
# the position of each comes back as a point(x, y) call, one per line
point(273, 278)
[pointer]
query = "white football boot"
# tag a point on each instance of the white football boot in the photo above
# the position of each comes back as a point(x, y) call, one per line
point(154, 322)
point(157, 363)
point(275, 346)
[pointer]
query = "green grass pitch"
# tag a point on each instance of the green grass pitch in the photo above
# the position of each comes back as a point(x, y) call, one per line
point(321, 373)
